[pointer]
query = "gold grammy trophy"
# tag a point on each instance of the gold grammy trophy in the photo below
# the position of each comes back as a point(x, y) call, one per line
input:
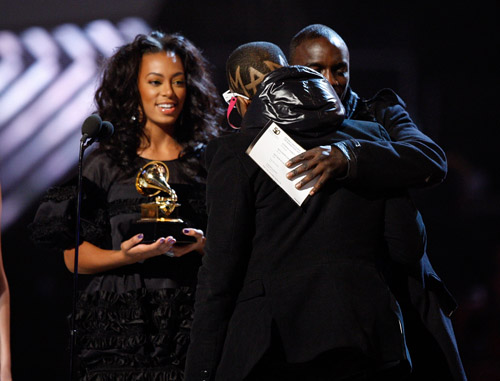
point(156, 216)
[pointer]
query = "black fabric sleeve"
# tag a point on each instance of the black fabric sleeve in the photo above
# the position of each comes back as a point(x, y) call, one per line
point(230, 228)
point(54, 224)
point(410, 160)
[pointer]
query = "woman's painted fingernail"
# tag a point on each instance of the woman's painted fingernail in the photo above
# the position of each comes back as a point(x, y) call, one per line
point(185, 231)
point(140, 236)
point(162, 240)
point(171, 240)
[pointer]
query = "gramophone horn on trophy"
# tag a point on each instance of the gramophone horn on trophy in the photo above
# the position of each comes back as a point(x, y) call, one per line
point(152, 180)
point(156, 216)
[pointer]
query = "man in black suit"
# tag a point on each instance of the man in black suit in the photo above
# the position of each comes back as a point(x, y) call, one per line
point(290, 292)
point(409, 159)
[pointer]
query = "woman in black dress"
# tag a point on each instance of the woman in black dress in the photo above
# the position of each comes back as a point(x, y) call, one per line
point(134, 315)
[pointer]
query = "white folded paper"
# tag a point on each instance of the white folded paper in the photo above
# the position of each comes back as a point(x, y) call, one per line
point(271, 149)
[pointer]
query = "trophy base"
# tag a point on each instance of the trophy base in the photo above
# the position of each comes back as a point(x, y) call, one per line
point(153, 230)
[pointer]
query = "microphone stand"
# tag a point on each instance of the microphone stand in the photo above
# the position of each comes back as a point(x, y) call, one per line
point(83, 145)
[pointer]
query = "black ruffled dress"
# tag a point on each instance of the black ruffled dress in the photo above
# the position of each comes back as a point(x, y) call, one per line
point(133, 322)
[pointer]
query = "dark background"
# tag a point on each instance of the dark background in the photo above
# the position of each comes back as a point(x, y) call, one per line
point(442, 60)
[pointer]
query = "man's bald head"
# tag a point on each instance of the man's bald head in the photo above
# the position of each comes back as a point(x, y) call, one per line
point(248, 64)
point(315, 31)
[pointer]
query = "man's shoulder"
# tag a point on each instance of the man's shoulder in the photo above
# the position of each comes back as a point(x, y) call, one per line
point(232, 144)
point(386, 97)
point(233, 141)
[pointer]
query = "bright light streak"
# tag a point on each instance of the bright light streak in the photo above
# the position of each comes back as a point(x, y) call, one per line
point(45, 68)
point(11, 61)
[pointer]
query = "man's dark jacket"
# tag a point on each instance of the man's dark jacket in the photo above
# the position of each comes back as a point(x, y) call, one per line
point(414, 159)
point(315, 271)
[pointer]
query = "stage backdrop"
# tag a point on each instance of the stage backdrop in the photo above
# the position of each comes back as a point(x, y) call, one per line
point(440, 60)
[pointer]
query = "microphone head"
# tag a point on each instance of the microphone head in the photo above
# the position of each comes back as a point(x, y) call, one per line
point(107, 130)
point(91, 126)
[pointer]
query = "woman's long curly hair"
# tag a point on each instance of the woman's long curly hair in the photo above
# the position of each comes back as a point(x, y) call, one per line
point(118, 99)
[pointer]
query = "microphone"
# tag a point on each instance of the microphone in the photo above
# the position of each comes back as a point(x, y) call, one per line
point(91, 126)
point(107, 129)
point(94, 128)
